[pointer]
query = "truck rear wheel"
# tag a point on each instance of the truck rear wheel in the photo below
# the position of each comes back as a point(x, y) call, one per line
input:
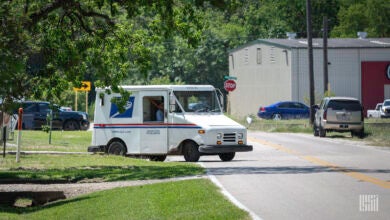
point(191, 152)
point(227, 156)
point(117, 148)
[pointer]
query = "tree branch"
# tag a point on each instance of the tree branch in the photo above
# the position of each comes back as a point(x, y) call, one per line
point(37, 16)
point(67, 5)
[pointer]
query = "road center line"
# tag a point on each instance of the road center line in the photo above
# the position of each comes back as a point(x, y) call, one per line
point(315, 160)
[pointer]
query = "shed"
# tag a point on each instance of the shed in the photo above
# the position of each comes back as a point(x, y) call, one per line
point(270, 70)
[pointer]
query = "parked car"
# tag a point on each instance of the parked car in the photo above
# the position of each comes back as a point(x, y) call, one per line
point(385, 110)
point(341, 114)
point(35, 114)
point(284, 110)
point(375, 113)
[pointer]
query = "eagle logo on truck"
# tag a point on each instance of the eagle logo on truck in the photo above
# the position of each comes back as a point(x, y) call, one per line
point(128, 113)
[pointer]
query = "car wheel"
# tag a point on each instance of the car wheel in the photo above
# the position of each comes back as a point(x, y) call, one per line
point(277, 116)
point(71, 126)
point(191, 152)
point(359, 133)
point(160, 158)
point(322, 131)
point(227, 156)
point(117, 148)
point(315, 131)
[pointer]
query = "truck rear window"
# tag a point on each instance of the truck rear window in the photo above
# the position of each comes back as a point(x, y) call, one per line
point(348, 105)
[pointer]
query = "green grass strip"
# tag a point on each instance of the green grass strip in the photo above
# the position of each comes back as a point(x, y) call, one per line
point(74, 168)
point(189, 199)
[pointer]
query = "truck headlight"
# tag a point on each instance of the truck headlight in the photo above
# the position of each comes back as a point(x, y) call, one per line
point(240, 135)
point(219, 136)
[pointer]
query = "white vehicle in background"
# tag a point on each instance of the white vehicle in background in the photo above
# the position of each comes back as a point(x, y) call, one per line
point(385, 110)
point(184, 130)
point(375, 113)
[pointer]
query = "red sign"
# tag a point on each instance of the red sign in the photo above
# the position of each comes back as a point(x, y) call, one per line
point(230, 85)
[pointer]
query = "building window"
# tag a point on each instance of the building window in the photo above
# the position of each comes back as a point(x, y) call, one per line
point(232, 61)
point(259, 56)
point(246, 56)
point(272, 55)
point(286, 55)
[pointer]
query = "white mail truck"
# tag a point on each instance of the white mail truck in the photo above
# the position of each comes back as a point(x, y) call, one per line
point(166, 120)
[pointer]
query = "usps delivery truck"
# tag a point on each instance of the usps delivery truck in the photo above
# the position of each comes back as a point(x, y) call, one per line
point(166, 120)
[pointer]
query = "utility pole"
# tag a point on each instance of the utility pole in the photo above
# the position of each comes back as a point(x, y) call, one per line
point(310, 55)
point(325, 47)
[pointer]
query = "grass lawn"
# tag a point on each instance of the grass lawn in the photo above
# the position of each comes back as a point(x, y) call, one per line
point(189, 199)
point(74, 168)
point(66, 141)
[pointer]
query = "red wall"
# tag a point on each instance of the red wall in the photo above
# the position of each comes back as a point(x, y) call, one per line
point(373, 81)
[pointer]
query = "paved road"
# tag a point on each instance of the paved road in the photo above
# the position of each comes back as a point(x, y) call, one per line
point(298, 176)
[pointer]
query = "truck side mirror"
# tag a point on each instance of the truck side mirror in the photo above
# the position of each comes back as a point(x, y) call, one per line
point(172, 103)
point(220, 97)
point(315, 108)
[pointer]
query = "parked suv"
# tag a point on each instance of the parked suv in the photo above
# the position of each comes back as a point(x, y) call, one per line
point(342, 114)
point(35, 115)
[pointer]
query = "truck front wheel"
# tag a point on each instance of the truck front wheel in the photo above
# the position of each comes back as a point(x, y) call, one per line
point(191, 152)
point(117, 148)
point(227, 156)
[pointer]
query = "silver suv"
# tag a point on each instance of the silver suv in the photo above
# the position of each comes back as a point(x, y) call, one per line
point(340, 114)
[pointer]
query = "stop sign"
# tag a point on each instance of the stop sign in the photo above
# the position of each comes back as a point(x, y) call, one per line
point(230, 85)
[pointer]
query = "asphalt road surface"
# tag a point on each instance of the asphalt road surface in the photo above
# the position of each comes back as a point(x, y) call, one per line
point(299, 176)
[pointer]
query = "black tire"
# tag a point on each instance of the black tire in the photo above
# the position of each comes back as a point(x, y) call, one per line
point(277, 116)
point(71, 125)
point(315, 131)
point(359, 133)
point(117, 148)
point(191, 152)
point(160, 158)
point(322, 131)
point(227, 156)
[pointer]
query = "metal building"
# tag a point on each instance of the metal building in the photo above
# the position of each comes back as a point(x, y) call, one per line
point(270, 70)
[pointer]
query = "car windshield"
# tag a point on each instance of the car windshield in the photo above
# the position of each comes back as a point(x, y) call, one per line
point(386, 103)
point(344, 104)
point(197, 101)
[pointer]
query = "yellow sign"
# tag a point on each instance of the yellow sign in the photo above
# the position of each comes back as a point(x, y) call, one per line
point(85, 86)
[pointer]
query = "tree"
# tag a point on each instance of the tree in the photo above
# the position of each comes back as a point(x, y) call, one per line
point(48, 46)
point(370, 16)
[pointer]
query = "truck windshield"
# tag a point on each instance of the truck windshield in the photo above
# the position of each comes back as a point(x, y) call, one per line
point(197, 101)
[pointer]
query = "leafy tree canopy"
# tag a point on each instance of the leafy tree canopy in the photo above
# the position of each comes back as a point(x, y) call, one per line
point(49, 46)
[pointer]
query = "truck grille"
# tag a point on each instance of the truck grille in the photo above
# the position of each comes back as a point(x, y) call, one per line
point(229, 137)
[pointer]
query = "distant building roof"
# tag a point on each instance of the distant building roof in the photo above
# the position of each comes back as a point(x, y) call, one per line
point(318, 43)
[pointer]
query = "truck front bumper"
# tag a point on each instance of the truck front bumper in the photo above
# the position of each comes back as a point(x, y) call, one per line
point(217, 149)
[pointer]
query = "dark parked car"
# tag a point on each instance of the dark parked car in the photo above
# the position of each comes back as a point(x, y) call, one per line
point(284, 110)
point(35, 115)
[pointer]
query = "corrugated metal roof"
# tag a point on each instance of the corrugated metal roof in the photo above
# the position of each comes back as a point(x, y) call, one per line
point(318, 42)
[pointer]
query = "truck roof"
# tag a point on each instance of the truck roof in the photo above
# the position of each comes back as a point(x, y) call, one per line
point(165, 87)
